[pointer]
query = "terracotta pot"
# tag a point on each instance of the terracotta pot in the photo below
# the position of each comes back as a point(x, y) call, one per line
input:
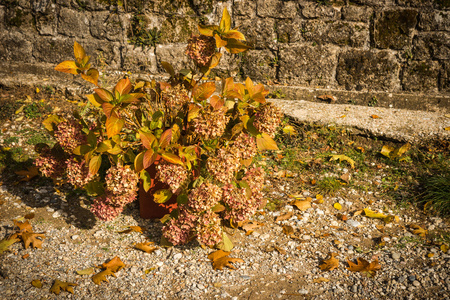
point(148, 208)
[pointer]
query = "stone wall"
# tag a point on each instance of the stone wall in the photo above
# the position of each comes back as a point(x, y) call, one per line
point(355, 45)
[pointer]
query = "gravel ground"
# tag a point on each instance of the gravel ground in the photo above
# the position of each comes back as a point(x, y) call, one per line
point(411, 267)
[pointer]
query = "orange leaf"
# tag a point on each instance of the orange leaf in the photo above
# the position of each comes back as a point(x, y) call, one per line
point(91, 76)
point(23, 226)
point(220, 259)
point(114, 125)
point(114, 264)
point(104, 94)
point(286, 216)
point(165, 138)
point(363, 266)
point(219, 42)
point(216, 102)
point(78, 51)
point(123, 86)
point(149, 158)
point(145, 247)
point(234, 34)
point(134, 229)
point(302, 204)
point(31, 238)
point(94, 164)
point(207, 30)
point(204, 91)
point(330, 264)
point(101, 276)
point(60, 285)
point(67, 66)
point(28, 174)
point(265, 142)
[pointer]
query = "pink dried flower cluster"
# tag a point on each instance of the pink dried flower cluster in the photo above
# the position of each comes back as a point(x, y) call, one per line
point(268, 119)
point(175, 97)
point(240, 207)
point(204, 197)
point(255, 179)
point(103, 210)
point(77, 172)
point(201, 48)
point(49, 165)
point(208, 229)
point(244, 146)
point(211, 123)
point(69, 135)
point(224, 165)
point(121, 183)
point(180, 231)
point(173, 175)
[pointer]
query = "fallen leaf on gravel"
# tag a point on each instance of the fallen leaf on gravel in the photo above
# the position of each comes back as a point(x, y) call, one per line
point(284, 217)
point(288, 129)
point(374, 215)
point(320, 280)
point(251, 225)
point(87, 271)
point(357, 213)
point(430, 255)
point(375, 117)
point(447, 115)
point(329, 98)
point(60, 285)
point(6, 243)
point(23, 226)
point(280, 250)
point(114, 264)
point(319, 199)
point(301, 204)
point(101, 276)
point(392, 152)
point(447, 128)
point(31, 238)
point(220, 259)
point(134, 229)
point(288, 230)
point(337, 206)
point(444, 248)
point(28, 174)
point(145, 247)
point(345, 177)
point(25, 256)
point(416, 229)
point(363, 266)
point(343, 157)
point(331, 263)
point(37, 283)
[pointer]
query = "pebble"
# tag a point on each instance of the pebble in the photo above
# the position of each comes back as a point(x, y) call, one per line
point(303, 291)
point(416, 283)
point(396, 256)
point(306, 237)
point(353, 223)
point(177, 256)
point(56, 214)
point(411, 278)
point(75, 237)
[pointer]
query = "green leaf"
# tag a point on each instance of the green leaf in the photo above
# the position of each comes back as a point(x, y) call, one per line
point(225, 21)
point(265, 142)
point(162, 196)
point(166, 218)
point(182, 199)
point(164, 242)
point(68, 66)
point(146, 180)
point(343, 157)
point(6, 243)
point(226, 244)
point(94, 164)
point(81, 150)
point(92, 139)
point(218, 208)
point(114, 125)
point(204, 91)
point(123, 86)
point(94, 188)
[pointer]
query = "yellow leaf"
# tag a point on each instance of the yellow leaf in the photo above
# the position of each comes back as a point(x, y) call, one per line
point(288, 129)
point(371, 214)
point(320, 280)
point(416, 229)
point(286, 216)
point(225, 21)
point(87, 271)
point(386, 150)
point(343, 157)
point(28, 174)
point(60, 285)
point(37, 90)
point(430, 255)
point(337, 206)
point(301, 204)
point(145, 247)
point(288, 230)
point(330, 264)
point(67, 66)
point(36, 283)
point(265, 142)
point(447, 128)
point(444, 248)
point(162, 196)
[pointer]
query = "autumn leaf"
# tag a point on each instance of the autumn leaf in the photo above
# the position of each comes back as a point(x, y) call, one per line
point(101, 276)
point(220, 259)
point(416, 229)
point(6, 243)
point(331, 263)
point(23, 226)
point(284, 217)
point(328, 98)
point(302, 205)
point(114, 264)
point(28, 174)
point(320, 280)
point(250, 225)
point(32, 238)
point(145, 247)
point(133, 229)
point(337, 206)
point(343, 157)
point(60, 285)
point(87, 271)
point(289, 130)
point(36, 283)
point(288, 230)
point(363, 266)
point(374, 215)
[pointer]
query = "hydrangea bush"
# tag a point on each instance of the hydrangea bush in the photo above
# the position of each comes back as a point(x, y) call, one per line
point(201, 140)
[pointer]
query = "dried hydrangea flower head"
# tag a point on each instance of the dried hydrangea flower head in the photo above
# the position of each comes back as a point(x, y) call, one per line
point(267, 119)
point(77, 172)
point(173, 175)
point(201, 48)
point(245, 146)
point(104, 211)
point(209, 231)
point(69, 135)
point(204, 197)
point(175, 97)
point(239, 206)
point(180, 231)
point(210, 123)
point(224, 165)
point(121, 182)
point(49, 165)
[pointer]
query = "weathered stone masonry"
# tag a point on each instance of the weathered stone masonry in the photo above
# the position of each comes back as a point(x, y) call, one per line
point(389, 46)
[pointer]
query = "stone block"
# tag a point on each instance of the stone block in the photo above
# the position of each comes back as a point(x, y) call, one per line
point(177, 29)
point(277, 9)
point(434, 20)
point(259, 65)
point(375, 3)
point(302, 64)
point(170, 7)
point(138, 59)
point(444, 78)
point(336, 32)
point(73, 23)
point(314, 10)
point(368, 70)
point(421, 76)
point(14, 46)
point(393, 29)
point(92, 5)
point(289, 31)
point(246, 8)
point(46, 17)
point(357, 13)
point(260, 33)
point(2, 17)
point(19, 18)
point(228, 66)
point(104, 25)
point(173, 54)
point(434, 45)
point(438, 4)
